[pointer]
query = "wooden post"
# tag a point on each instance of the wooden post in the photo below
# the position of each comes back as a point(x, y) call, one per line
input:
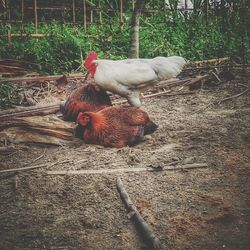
point(91, 13)
point(9, 24)
point(74, 10)
point(35, 13)
point(134, 34)
point(100, 12)
point(22, 14)
point(206, 10)
point(84, 16)
point(121, 11)
point(164, 7)
point(153, 9)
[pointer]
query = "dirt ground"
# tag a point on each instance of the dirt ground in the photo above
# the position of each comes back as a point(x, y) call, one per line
point(205, 208)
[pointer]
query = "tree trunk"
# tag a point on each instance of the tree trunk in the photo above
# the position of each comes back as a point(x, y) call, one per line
point(134, 51)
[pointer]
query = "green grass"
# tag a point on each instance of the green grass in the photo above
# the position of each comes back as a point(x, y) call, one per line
point(162, 35)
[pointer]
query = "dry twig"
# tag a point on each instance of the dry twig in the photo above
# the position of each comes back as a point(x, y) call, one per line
point(32, 167)
point(151, 238)
point(29, 111)
point(127, 170)
point(233, 96)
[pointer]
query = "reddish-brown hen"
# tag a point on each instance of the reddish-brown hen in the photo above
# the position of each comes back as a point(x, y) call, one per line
point(114, 126)
point(83, 99)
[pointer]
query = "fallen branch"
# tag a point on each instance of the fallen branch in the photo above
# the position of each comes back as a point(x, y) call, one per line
point(127, 170)
point(217, 66)
point(196, 79)
point(156, 94)
point(152, 240)
point(234, 96)
point(163, 93)
point(171, 83)
point(30, 111)
point(7, 149)
point(39, 79)
point(181, 93)
point(37, 129)
point(32, 167)
point(211, 60)
point(27, 35)
point(223, 100)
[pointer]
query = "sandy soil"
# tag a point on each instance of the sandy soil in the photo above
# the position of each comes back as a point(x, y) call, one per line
point(204, 208)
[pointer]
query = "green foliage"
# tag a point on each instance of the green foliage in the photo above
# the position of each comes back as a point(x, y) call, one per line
point(8, 94)
point(187, 35)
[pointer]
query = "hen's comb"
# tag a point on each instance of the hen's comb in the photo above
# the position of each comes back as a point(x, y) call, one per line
point(79, 115)
point(90, 58)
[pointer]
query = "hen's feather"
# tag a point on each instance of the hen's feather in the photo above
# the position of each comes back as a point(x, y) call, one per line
point(86, 98)
point(116, 126)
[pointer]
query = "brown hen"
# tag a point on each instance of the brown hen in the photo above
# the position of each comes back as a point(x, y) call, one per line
point(83, 99)
point(114, 126)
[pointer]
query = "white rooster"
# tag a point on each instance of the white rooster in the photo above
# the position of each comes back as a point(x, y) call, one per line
point(129, 77)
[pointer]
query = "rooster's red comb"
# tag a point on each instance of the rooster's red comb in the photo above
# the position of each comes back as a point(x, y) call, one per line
point(90, 58)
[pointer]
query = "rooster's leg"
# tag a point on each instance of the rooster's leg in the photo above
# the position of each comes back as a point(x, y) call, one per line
point(134, 98)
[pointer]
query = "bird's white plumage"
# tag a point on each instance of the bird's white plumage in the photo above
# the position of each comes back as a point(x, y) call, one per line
point(128, 77)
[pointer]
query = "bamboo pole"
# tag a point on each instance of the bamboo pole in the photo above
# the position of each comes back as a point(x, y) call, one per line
point(25, 35)
point(121, 11)
point(91, 13)
point(22, 14)
point(206, 10)
point(100, 12)
point(153, 9)
point(84, 16)
point(74, 10)
point(164, 7)
point(35, 13)
point(9, 24)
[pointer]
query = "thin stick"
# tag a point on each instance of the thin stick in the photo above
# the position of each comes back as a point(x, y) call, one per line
point(234, 96)
point(35, 13)
point(22, 14)
point(11, 170)
point(121, 11)
point(100, 12)
point(30, 111)
point(153, 241)
point(91, 13)
point(126, 170)
point(211, 60)
point(196, 79)
point(84, 16)
point(216, 66)
point(9, 25)
point(163, 93)
point(157, 94)
point(39, 79)
point(206, 10)
point(74, 11)
point(32, 167)
point(36, 35)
